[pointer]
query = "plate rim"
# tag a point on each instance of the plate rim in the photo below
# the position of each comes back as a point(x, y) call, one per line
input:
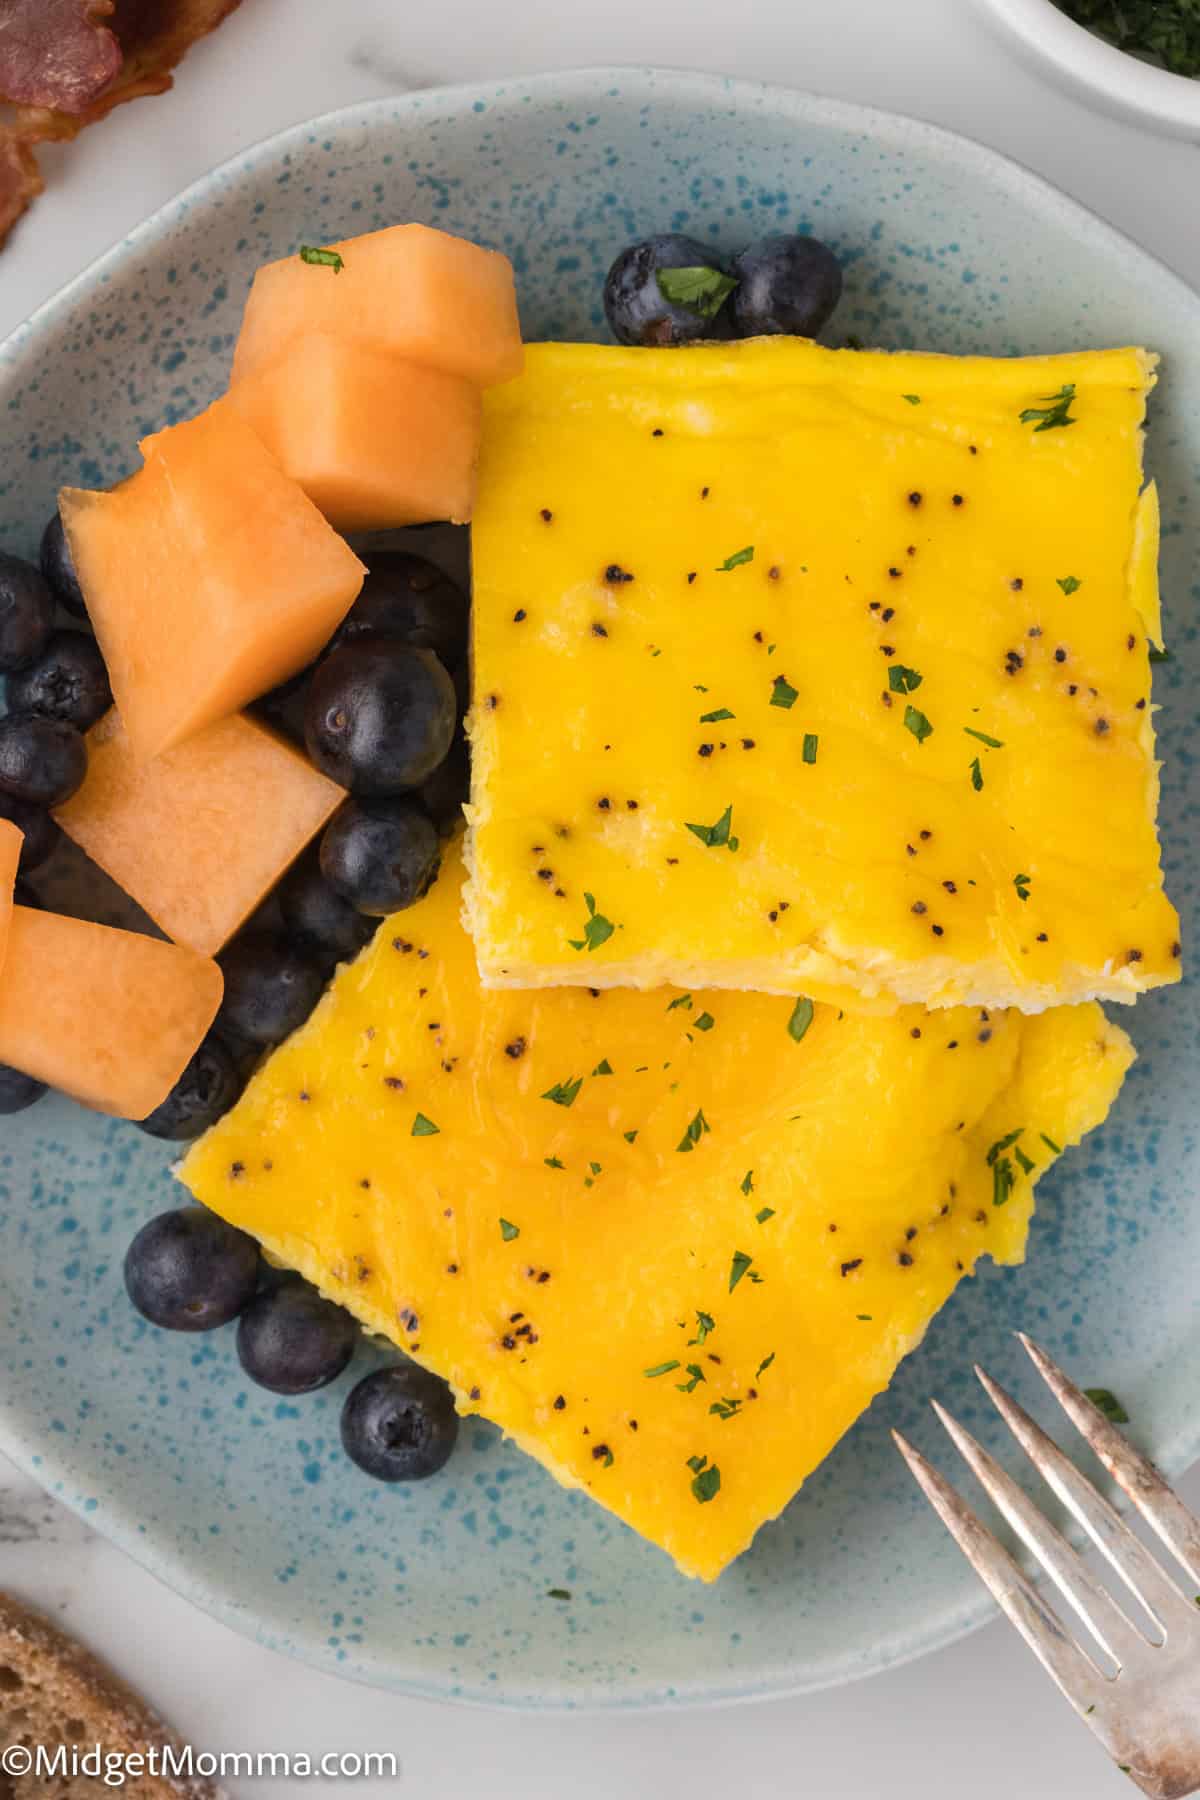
point(166, 1562)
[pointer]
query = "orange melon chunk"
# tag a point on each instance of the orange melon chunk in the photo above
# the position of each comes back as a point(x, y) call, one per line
point(419, 293)
point(209, 576)
point(109, 1017)
point(10, 855)
point(201, 833)
point(373, 440)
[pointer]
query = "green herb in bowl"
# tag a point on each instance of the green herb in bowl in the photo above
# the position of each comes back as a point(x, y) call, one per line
point(1163, 32)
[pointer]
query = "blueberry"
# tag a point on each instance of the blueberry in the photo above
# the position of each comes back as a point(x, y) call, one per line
point(42, 761)
point(291, 1340)
point(380, 716)
point(59, 568)
point(207, 1088)
point(41, 833)
point(317, 916)
point(283, 707)
point(446, 791)
point(187, 1270)
point(407, 598)
point(785, 284)
point(68, 681)
point(638, 311)
point(399, 1424)
point(26, 612)
point(380, 855)
point(18, 1091)
point(271, 986)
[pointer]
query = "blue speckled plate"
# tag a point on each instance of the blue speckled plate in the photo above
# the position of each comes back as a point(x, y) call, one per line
point(247, 1506)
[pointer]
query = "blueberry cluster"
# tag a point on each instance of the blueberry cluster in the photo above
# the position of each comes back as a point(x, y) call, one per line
point(669, 290)
point(187, 1270)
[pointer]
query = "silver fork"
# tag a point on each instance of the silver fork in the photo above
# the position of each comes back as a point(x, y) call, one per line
point(1147, 1715)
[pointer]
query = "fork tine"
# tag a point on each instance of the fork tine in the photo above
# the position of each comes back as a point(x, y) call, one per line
point(1070, 1575)
point(1178, 1528)
point(1103, 1524)
point(1074, 1671)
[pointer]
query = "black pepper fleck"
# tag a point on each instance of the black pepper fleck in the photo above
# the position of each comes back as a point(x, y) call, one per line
point(546, 514)
point(1134, 956)
point(904, 1258)
point(849, 1267)
point(1100, 727)
point(956, 499)
point(615, 574)
point(706, 750)
point(937, 930)
point(914, 499)
point(915, 1032)
point(919, 906)
point(519, 615)
point(599, 630)
point(559, 1403)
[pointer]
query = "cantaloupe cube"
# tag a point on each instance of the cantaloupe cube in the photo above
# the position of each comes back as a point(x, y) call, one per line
point(201, 833)
point(374, 441)
point(419, 293)
point(10, 855)
point(209, 575)
point(109, 1017)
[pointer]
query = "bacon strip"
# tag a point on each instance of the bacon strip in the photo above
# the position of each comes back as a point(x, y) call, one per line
point(65, 69)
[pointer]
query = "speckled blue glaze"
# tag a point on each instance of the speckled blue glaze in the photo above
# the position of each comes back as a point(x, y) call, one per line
point(245, 1503)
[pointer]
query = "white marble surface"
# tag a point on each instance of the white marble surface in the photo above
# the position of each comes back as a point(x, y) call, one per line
point(979, 1719)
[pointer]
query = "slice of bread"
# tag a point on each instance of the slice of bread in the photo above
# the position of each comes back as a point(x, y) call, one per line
point(55, 1693)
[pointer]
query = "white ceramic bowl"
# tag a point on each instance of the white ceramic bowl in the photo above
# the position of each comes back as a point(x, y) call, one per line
point(1098, 71)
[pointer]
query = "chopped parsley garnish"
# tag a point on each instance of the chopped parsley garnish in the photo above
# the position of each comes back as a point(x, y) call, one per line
point(1163, 32)
point(629, 1136)
point(552, 1162)
point(1055, 413)
point(764, 1364)
point(1106, 1401)
point(913, 399)
point(736, 560)
point(694, 1133)
point(714, 718)
point(809, 752)
point(1026, 1163)
point(509, 1231)
point(717, 836)
point(702, 289)
point(603, 1454)
point(1069, 583)
point(696, 1463)
point(325, 259)
point(726, 1409)
point(660, 1369)
point(976, 774)
point(705, 1022)
point(1021, 883)
point(597, 929)
point(1003, 1144)
point(748, 1182)
point(595, 1168)
point(801, 1018)
point(917, 723)
point(1003, 1181)
point(1050, 1143)
point(680, 1000)
point(866, 1318)
point(706, 1483)
point(697, 1376)
point(603, 1068)
point(1160, 656)
point(564, 1093)
point(737, 1268)
point(902, 680)
point(764, 1213)
point(558, 1593)
point(423, 1127)
point(704, 1324)
point(783, 693)
point(991, 742)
